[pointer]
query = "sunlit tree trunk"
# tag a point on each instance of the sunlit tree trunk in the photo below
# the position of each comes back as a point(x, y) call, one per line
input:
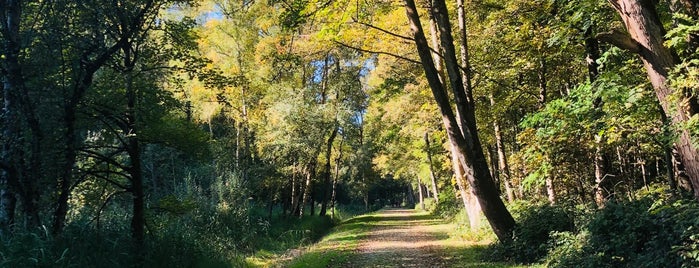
point(470, 202)
point(465, 139)
point(433, 177)
point(419, 190)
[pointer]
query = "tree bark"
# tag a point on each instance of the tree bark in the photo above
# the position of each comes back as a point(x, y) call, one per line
point(419, 189)
point(433, 177)
point(326, 172)
point(465, 139)
point(470, 202)
point(310, 172)
point(336, 177)
point(12, 83)
point(293, 211)
point(502, 157)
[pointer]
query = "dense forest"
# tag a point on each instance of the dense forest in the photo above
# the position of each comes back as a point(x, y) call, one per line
point(197, 133)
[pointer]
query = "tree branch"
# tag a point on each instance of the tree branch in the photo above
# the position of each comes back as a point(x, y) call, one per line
point(377, 52)
point(382, 30)
point(620, 40)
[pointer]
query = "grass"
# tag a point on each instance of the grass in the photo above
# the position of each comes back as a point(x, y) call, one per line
point(338, 246)
point(289, 239)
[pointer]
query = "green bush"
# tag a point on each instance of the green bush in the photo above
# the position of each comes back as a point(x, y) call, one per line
point(448, 206)
point(642, 233)
point(531, 239)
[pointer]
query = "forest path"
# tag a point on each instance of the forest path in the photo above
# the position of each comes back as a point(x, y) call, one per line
point(394, 238)
point(402, 238)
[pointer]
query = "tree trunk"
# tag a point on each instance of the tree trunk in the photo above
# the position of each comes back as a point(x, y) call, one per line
point(12, 83)
point(502, 157)
point(470, 202)
point(294, 194)
point(336, 177)
point(133, 149)
point(419, 189)
point(465, 139)
point(433, 177)
point(310, 172)
point(326, 172)
point(600, 196)
point(645, 38)
point(459, 177)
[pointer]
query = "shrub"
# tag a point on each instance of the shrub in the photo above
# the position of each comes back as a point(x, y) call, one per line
point(641, 233)
point(448, 206)
point(531, 238)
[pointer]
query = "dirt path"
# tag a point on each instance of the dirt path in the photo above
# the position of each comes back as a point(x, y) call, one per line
point(394, 238)
point(402, 238)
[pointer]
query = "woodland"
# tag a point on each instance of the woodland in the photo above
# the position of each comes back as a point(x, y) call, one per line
point(200, 133)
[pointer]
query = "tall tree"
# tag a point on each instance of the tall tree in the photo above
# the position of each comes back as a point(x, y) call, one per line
point(645, 37)
point(463, 136)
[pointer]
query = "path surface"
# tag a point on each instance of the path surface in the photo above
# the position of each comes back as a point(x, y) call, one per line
point(393, 238)
point(402, 238)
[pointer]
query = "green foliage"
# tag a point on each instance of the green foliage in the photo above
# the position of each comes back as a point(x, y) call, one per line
point(649, 232)
point(532, 237)
point(448, 206)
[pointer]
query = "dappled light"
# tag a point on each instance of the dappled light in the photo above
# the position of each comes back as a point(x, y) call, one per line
point(347, 133)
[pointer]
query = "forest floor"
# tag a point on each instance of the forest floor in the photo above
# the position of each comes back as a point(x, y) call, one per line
point(393, 238)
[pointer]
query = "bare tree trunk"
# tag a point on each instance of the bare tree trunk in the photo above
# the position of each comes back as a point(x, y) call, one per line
point(600, 196)
point(470, 202)
point(459, 176)
point(12, 83)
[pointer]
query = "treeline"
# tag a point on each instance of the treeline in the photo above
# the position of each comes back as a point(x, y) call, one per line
point(585, 109)
point(189, 131)
point(175, 133)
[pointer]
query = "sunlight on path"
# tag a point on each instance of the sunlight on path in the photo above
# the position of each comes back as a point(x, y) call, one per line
point(402, 238)
point(394, 238)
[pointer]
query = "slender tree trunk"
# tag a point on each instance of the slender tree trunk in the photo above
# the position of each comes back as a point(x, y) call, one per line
point(502, 157)
point(12, 83)
point(133, 149)
point(433, 177)
point(600, 196)
point(465, 139)
point(326, 172)
point(419, 189)
point(310, 172)
point(645, 38)
point(466, 74)
point(337, 176)
point(294, 194)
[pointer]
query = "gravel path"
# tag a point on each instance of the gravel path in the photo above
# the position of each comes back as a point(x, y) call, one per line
point(402, 238)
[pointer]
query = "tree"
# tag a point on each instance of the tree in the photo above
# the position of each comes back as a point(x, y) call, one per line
point(645, 38)
point(463, 134)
